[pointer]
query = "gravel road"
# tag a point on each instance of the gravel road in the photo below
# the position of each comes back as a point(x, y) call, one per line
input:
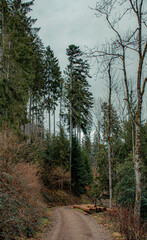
point(71, 224)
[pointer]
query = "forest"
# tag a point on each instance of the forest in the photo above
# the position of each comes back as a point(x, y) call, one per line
point(55, 134)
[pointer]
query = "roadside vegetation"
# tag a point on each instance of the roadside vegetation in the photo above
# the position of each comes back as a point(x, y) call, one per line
point(32, 179)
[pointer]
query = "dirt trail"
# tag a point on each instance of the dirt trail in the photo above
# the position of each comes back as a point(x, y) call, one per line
point(71, 224)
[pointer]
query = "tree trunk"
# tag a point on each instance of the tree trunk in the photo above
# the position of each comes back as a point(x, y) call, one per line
point(99, 135)
point(3, 41)
point(108, 136)
point(71, 129)
point(80, 136)
point(42, 123)
point(36, 123)
point(110, 174)
point(70, 140)
point(49, 114)
point(54, 121)
point(137, 208)
point(29, 124)
point(133, 145)
point(75, 134)
point(60, 112)
point(137, 157)
point(33, 129)
point(61, 103)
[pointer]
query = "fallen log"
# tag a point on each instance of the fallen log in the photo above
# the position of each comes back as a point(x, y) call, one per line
point(89, 208)
point(84, 208)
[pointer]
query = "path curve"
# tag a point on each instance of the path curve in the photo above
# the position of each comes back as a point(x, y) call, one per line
point(71, 224)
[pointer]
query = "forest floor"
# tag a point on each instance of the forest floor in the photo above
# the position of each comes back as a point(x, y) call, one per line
point(72, 224)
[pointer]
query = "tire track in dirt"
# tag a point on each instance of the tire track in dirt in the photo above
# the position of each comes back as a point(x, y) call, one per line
point(71, 224)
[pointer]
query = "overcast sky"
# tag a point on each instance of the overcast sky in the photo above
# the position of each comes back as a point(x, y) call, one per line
point(65, 22)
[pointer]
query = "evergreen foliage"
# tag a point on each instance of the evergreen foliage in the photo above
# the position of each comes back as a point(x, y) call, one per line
point(52, 76)
point(81, 170)
point(77, 89)
point(78, 172)
point(18, 60)
point(102, 168)
point(88, 167)
point(125, 186)
point(55, 154)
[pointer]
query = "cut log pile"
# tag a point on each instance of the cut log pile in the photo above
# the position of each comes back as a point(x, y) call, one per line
point(89, 208)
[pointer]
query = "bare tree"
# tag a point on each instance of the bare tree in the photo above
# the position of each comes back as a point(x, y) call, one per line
point(131, 42)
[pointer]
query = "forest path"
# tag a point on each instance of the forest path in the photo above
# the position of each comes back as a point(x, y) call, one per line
point(72, 224)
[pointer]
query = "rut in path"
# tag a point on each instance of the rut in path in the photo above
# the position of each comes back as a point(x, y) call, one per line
point(71, 224)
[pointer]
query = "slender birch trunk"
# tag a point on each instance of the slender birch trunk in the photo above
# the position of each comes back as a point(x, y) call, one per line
point(137, 166)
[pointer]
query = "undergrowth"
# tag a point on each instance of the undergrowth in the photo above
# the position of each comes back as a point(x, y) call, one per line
point(21, 204)
point(121, 220)
point(20, 214)
point(24, 198)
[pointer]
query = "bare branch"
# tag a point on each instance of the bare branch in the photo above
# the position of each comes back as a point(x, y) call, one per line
point(129, 39)
point(133, 49)
point(120, 17)
point(143, 87)
point(98, 53)
point(110, 24)
point(144, 23)
point(133, 6)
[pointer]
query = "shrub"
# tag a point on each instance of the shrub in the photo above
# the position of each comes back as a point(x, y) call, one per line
point(125, 190)
point(125, 220)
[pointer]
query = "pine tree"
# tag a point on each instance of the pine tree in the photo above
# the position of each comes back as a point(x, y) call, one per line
point(52, 75)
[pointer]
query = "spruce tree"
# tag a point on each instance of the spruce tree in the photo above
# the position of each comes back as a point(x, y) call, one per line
point(17, 71)
point(78, 171)
point(78, 89)
point(52, 76)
